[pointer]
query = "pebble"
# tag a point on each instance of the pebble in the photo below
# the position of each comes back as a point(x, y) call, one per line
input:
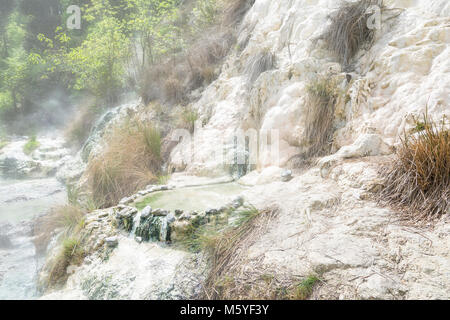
point(145, 213)
point(160, 212)
point(112, 241)
point(286, 175)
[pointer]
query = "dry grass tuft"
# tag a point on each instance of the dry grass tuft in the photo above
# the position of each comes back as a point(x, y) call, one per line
point(131, 160)
point(418, 180)
point(149, 82)
point(204, 56)
point(348, 31)
point(173, 90)
point(232, 276)
point(227, 248)
point(321, 101)
point(235, 11)
point(173, 79)
point(195, 66)
point(258, 64)
point(65, 224)
point(79, 129)
point(69, 219)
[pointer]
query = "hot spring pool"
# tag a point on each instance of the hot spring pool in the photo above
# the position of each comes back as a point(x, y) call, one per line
point(193, 198)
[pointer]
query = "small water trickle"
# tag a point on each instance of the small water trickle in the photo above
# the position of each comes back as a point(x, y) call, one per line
point(136, 223)
point(241, 158)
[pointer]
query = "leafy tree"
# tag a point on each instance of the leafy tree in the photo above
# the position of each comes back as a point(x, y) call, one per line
point(98, 63)
point(6, 6)
point(39, 53)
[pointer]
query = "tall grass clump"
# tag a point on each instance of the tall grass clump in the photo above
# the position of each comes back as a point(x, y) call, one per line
point(130, 161)
point(418, 180)
point(63, 225)
point(349, 30)
point(67, 219)
point(226, 249)
point(321, 101)
point(199, 236)
point(188, 117)
point(72, 253)
point(258, 64)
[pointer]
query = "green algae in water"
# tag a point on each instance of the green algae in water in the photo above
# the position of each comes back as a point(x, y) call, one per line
point(193, 198)
point(149, 200)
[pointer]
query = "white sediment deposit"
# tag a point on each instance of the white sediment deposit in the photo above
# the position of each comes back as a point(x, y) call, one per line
point(327, 222)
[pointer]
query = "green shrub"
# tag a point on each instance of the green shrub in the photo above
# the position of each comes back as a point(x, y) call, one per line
point(305, 288)
point(68, 221)
point(188, 117)
point(31, 145)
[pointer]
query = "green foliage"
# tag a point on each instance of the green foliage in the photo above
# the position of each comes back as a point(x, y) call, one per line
point(148, 200)
point(420, 125)
point(258, 64)
point(72, 253)
point(152, 139)
point(3, 143)
point(67, 220)
point(211, 235)
point(31, 145)
point(120, 46)
point(188, 118)
point(323, 88)
point(15, 68)
point(205, 13)
point(245, 215)
point(163, 179)
point(305, 288)
point(98, 63)
point(71, 248)
point(6, 101)
point(131, 161)
point(153, 21)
